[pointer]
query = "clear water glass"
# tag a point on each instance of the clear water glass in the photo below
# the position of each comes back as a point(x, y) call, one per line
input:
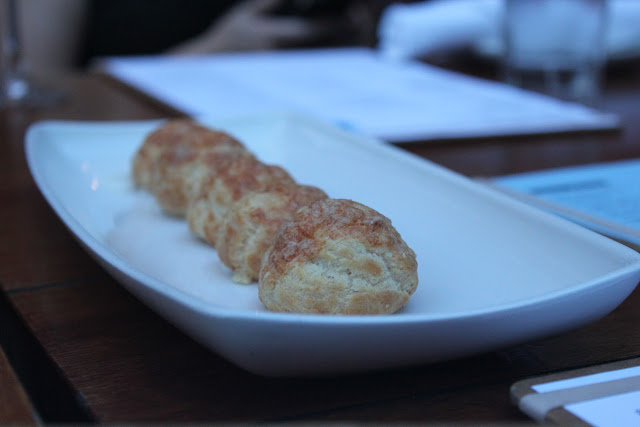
point(556, 47)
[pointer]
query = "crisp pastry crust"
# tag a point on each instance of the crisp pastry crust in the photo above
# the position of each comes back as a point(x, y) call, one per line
point(309, 253)
point(180, 174)
point(245, 174)
point(184, 136)
point(252, 223)
point(337, 256)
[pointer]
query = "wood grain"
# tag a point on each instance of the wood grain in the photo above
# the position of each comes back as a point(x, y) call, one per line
point(15, 406)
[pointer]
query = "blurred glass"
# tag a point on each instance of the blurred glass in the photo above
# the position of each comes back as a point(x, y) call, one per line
point(556, 47)
point(17, 89)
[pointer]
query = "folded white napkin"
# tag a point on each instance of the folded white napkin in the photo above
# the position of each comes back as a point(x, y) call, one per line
point(426, 28)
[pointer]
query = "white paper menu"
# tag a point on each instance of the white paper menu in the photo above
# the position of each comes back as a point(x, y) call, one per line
point(602, 396)
point(354, 88)
point(620, 410)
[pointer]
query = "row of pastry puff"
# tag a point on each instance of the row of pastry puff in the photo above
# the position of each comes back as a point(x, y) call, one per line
point(308, 252)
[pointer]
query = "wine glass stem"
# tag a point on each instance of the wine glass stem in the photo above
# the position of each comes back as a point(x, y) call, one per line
point(15, 82)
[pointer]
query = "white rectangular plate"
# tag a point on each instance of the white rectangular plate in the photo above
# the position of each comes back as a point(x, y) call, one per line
point(493, 271)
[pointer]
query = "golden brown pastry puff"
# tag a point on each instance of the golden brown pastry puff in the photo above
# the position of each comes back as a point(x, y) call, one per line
point(251, 224)
point(154, 144)
point(338, 256)
point(173, 134)
point(180, 173)
point(244, 174)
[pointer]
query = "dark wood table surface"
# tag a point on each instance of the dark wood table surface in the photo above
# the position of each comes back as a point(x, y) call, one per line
point(76, 346)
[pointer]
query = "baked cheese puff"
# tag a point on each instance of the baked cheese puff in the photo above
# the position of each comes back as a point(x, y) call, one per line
point(206, 211)
point(179, 134)
point(251, 224)
point(180, 172)
point(337, 256)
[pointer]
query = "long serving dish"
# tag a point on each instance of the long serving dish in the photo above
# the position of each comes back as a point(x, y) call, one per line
point(493, 271)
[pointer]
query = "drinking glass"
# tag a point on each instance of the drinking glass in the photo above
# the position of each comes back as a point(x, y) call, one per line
point(556, 47)
point(17, 88)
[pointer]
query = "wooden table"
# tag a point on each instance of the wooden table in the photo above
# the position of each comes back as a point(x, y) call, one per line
point(84, 349)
